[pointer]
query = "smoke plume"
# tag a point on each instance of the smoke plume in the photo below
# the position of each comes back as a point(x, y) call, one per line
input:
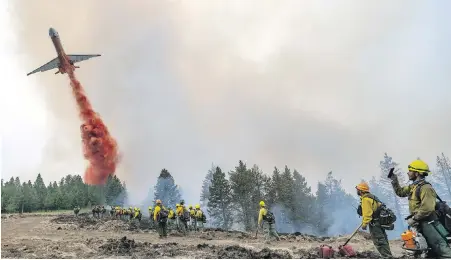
point(315, 85)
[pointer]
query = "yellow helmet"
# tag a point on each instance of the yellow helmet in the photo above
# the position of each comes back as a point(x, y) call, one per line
point(197, 206)
point(177, 205)
point(262, 203)
point(150, 207)
point(190, 206)
point(419, 166)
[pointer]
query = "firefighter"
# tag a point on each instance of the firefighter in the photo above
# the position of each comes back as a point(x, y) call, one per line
point(192, 216)
point(267, 221)
point(200, 218)
point(177, 217)
point(160, 216)
point(171, 218)
point(76, 210)
point(422, 207)
point(369, 208)
point(183, 214)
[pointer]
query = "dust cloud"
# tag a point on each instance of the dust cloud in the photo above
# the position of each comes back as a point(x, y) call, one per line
point(315, 85)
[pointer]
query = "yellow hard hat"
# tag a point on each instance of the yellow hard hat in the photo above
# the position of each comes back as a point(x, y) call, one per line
point(150, 207)
point(177, 205)
point(197, 206)
point(419, 166)
point(363, 186)
point(262, 203)
point(190, 206)
point(158, 201)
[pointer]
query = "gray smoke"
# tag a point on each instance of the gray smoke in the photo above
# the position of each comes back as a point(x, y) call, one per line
point(315, 85)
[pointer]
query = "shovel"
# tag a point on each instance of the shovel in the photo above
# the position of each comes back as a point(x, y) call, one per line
point(347, 250)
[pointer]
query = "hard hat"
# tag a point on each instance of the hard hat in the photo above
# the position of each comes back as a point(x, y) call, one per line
point(150, 207)
point(190, 206)
point(158, 201)
point(197, 206)
point(363, 186)
point(262, 203)
point(419, 166)
point(177, 205)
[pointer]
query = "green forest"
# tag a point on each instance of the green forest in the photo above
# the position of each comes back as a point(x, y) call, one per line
point(68, 193)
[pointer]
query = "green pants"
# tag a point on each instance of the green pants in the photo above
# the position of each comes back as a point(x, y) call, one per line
point(380, 240)
point(200, 225)
point(270, 231)
point(162, 229)
point(183, 226)
point(194, 224)
point(436, 242)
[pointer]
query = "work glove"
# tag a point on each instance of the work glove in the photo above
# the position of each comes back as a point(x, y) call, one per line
point(412, 222)
point(391, 175)
point(364, 227)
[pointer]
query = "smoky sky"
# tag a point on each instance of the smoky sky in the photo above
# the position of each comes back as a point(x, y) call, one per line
point(315, 85)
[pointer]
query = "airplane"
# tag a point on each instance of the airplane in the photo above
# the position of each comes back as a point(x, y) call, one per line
point(60, 60)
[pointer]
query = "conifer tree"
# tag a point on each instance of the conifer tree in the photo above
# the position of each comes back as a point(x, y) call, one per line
point(219, 206)
point(166, 190)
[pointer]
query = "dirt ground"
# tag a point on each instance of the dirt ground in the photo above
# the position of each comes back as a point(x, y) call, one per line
point(67, 236)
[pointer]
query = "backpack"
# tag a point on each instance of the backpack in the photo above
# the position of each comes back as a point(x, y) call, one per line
point(186, 216)
point(163, 215)
point(269, 217)
point(442, 209)
point(383, 214)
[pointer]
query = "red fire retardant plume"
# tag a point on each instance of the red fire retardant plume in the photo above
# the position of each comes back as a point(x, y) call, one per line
point(99, 147)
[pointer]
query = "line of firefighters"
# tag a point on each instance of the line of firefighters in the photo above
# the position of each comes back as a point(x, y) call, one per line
point(183, 219)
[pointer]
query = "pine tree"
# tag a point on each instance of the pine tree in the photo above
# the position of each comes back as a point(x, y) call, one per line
point(303, 201)
point(243, 187)
point(219, 206)
point(206, 184)
point(166, 190)
point(113, 190)
point(323, 217)
point(441, 178)
point(41, 191)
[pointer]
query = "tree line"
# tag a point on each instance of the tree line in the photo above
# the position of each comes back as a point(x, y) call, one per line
point(68, 193)
point(231, 200)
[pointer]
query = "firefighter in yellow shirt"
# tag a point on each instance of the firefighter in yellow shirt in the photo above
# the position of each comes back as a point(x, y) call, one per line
point(267, 221)
point(370, 205)
point(160, 216)
point(200, 218)
point(192, 215)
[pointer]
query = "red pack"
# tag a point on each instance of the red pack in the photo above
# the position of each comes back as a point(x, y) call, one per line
point(326, 252)
point(347, 250)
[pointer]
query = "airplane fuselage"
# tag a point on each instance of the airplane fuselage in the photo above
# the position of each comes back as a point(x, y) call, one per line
point(60, 51)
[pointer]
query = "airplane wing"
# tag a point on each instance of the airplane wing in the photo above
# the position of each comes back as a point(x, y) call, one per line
point(81, 57)
point(48, 66)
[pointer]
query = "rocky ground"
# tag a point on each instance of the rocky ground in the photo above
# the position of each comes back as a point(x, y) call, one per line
point(67, 236)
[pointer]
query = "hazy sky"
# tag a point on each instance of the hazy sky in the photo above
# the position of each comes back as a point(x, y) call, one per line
point(316, 85)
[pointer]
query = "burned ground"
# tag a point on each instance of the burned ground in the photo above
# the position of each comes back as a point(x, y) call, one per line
point(67, 236)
